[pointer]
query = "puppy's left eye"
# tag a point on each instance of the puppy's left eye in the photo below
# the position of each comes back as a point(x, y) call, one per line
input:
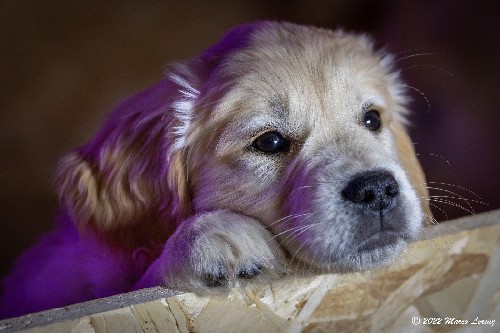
point(372, 121)
point(271, 143)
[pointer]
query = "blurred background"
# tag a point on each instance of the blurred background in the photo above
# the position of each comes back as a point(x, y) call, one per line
point(65, 64)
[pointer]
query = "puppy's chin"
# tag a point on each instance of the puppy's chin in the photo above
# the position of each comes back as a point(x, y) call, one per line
point(379, 250)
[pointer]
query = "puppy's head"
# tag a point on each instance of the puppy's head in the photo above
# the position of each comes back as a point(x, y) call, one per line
point(299, 127)
point(302, 128)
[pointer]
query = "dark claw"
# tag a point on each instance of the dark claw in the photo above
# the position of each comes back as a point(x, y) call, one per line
point(218, 280)
point(250, 273)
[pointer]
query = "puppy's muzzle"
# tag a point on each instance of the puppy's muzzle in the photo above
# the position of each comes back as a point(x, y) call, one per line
point(375, 191)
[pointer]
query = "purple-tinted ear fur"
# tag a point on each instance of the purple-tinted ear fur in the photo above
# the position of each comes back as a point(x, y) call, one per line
point(128, 182)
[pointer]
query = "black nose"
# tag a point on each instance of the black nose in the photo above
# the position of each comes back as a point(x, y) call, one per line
point(375, 190)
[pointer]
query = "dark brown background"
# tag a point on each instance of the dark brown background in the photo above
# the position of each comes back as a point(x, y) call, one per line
point(64, 64)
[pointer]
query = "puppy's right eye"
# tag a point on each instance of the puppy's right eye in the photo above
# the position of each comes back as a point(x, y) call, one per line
point(372, 120)
point(271, 143)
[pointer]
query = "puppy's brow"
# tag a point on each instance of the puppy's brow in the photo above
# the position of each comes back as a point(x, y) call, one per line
point(279, 108)
point(366, 105)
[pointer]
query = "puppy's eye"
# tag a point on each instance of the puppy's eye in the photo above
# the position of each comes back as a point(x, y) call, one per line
point(372, 121)
point(271, 143)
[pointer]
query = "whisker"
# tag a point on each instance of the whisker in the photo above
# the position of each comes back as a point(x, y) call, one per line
point(298, 234)
point(455, 196)
point(460, 196)
point(437, 155)
point(433, 198)
point(408, 51)
point(440, 189)
point(292, 231)
point(302, 187)
point(422, 94)
point(414, 55)
point(432, 218)
point(296, 231)
point(299, 261)
point(288, 217)
point(438, 208)
point(313, 260)
point(427, 65)
point(293, 257)
point(455, 205)
point(457, 186)
point(311, 263)
point(451, 197)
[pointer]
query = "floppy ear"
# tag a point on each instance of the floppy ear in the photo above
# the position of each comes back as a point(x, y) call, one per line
point(410, 163)
point(132, 173)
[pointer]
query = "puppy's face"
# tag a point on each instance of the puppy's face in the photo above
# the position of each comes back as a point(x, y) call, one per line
point(304, 133)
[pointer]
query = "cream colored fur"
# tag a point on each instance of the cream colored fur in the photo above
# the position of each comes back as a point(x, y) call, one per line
point(188, 170)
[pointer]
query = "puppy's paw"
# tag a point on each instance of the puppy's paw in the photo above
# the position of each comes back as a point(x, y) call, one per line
point(216, 251)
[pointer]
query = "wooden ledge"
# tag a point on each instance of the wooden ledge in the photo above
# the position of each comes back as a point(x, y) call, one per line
point(451, 272)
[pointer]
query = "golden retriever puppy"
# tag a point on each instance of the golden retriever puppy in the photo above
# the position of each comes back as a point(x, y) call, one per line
point(280, 143)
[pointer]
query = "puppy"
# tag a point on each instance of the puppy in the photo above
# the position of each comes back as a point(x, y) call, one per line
point(281, 143)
